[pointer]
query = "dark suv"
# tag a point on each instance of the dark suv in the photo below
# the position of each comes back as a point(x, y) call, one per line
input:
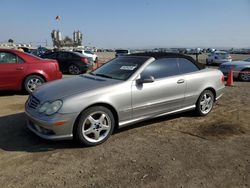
point(70, 62)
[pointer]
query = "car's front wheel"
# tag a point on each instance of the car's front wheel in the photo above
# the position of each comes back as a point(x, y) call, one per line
point(32, 82)
point(245, 75)
point(205, 103)
point(95, 126)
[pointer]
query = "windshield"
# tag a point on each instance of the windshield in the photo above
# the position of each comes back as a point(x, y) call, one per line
point(223, 55)
point(248, 59)
point(120, 68)
point(89, 52)
point(122, 51)
point(33, 56)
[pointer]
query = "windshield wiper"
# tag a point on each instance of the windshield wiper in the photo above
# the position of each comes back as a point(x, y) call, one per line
point(102, 75)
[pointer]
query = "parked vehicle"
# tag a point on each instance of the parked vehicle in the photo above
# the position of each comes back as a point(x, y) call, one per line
point(125, 90)
point(194, 51)
point(218, 57)
point(121, 52)
point(87, 53)
point(70, 62)
point(241, 69)
point(19, 70)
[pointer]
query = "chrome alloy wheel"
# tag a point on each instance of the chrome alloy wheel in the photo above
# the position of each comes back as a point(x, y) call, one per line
point(245, 76)
point(33, 83)
point(96, 127)
point(73, 69)
point(206, 103)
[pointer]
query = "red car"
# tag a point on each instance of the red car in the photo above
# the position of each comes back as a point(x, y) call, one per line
point(19, 70)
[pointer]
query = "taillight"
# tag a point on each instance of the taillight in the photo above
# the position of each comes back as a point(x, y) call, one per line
point(84, 60)
point(222, 79)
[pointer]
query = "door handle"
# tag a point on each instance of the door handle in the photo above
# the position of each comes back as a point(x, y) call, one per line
point(19, 68)
point(181, 81)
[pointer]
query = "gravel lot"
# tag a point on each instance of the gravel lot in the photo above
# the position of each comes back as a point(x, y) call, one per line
point(175, 151)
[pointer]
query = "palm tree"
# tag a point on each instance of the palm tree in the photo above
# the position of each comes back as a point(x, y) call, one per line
point(11, 41)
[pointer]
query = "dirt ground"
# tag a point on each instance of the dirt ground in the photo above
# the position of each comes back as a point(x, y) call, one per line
point(175, 151)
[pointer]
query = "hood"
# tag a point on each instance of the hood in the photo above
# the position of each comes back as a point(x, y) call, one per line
point(60, 89)
point(237, 63)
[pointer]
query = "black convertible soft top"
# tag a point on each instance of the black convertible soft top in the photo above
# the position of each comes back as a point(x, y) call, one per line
point(159, 55)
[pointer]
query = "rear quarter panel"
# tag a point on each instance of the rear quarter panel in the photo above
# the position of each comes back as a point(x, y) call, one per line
point(47, 70)
point(197, 82)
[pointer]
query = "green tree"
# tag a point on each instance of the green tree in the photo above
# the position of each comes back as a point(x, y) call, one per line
point(67, 41)
point(11, 41)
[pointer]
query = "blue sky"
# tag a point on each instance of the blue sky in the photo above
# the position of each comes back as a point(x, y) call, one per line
point(130, 23)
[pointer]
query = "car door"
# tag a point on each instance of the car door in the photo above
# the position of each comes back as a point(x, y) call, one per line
point(193, 79)
point(165, 94)
point(12, 70)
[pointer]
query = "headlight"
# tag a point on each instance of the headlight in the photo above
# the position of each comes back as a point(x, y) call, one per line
point(50, 108)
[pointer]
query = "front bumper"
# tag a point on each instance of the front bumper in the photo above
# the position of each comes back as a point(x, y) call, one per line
point(45, 126)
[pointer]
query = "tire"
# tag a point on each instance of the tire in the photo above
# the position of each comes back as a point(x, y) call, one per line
point(95, 126)
point(74, 69)
point(32, 82)
point(245, 77)
point(205, 103)
point(96, 59)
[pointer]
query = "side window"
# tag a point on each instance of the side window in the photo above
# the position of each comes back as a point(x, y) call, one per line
point(20, 60)
point(52, 55)
point(62, 55)
point(186, 66)
point(65, 55)
point(161, 68)
point(69, 55)
point(6, 57)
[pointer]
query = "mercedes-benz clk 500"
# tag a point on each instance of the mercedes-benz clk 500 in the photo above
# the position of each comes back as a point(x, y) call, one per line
point(126, 90)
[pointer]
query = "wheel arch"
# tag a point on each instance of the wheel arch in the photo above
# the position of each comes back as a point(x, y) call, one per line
point(242, 70)
point(31, 74)
point(212, 90)
point(106, 105)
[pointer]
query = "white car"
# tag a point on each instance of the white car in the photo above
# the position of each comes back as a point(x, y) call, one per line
point(218, 57)
point(122, 52)
point(88, 53)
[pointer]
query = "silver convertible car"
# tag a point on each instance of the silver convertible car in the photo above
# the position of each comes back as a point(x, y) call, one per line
point(126, 90)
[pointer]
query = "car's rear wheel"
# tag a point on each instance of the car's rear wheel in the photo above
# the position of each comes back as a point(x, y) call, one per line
point(32, 82)
point(205, 103)
point(95, 126)
point(245, 75)
point(74, 69)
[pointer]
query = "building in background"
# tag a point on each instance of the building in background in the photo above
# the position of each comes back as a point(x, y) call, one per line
point(58, 42)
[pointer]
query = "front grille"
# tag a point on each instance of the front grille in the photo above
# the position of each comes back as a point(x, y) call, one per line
point(33, 102)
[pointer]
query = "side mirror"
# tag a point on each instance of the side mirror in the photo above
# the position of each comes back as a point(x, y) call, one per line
point(148, 79)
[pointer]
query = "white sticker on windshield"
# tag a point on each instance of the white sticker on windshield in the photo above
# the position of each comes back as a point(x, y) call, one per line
point(128, 67)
